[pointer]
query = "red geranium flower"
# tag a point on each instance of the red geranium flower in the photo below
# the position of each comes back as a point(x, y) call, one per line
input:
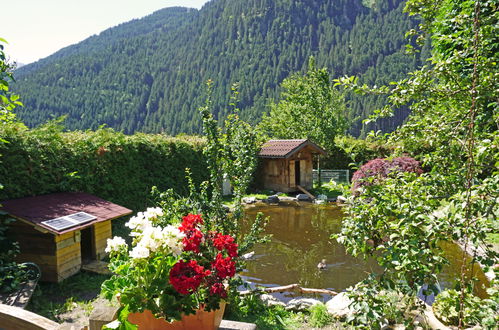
point(192, 240)
point(218, 289)
point(225, 242)
point(193, 236)
point(225, 267)
point(190, 222)
point(185, 277)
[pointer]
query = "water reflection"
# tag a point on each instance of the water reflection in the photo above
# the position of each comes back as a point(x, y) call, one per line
point(301, 239)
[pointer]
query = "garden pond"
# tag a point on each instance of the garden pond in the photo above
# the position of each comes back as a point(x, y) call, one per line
point(301, 238)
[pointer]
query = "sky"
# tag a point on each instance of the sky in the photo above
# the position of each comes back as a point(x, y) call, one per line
point(35, 29)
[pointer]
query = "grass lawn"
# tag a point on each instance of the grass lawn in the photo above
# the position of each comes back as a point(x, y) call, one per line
point(53, 299)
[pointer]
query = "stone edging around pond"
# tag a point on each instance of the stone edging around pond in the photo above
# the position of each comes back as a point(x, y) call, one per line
point(338, 308)
point(275, 199)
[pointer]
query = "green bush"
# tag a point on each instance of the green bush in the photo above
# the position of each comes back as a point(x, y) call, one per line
point(476, 311)
point(319, 316)
point(350, 153)
point(114, 166)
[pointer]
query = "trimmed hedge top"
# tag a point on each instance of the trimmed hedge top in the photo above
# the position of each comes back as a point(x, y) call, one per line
point(114, 166)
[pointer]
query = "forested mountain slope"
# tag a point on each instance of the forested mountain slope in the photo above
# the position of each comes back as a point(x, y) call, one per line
point(149, 74)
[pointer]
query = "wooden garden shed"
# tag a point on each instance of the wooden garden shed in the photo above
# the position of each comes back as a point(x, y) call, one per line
point(286, 165)
point(61, 231)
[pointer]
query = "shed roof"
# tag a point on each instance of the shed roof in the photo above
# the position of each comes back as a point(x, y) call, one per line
point(286, 148)
point(36, 209)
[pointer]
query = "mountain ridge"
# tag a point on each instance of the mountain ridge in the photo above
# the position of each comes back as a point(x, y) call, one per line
point(148, 75)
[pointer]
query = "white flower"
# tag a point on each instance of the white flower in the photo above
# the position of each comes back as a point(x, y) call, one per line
point(115, 244)
point(138, 222)
point(172, 238)
point(152, 238)
point(153, 213)
point(113, 325)
point(139, 252)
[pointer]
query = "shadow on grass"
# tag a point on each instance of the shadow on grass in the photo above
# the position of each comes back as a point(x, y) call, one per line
point(53, 299)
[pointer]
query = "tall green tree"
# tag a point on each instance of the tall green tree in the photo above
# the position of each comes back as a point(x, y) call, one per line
point(8, 100)
point(454, 130)
point(310, 107)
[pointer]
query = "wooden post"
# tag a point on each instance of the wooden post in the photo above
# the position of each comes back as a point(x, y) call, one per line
point(101, 316)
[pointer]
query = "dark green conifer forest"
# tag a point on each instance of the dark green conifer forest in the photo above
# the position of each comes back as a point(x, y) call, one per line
point(148, 75)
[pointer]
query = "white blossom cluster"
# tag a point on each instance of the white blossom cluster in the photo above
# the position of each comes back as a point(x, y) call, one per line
point(143, 220)
point(115, 244)
point(150, 238)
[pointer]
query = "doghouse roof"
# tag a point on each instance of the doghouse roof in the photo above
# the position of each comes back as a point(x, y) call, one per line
point(35, 210)
point(287, 148)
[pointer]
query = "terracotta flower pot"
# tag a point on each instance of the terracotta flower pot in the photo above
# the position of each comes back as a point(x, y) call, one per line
point(202, 320)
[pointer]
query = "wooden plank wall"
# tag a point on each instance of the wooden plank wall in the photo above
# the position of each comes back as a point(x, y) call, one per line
point(58, 256)
point(35, 247)
point(102, 231)
point(68, 254)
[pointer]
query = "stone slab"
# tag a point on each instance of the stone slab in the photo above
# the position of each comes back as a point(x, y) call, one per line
point(234, 325)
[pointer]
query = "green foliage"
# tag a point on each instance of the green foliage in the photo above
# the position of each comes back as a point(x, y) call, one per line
point(145, 281)
point(114, 166)
point(144, 75)
point(376, 308)
point(310, 108)
point(484, 312)
point(319, 316)
point(8, 100)
point(453, 127)
point(351, 153)
point(52, 299)
point(233, 153)
point(251, 309)
point(12, 274)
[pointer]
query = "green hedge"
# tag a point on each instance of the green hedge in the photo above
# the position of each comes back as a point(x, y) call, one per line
point(114, 166)
point(351, 153)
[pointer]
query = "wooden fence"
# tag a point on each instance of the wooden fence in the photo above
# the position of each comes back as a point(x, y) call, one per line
point(338, 176)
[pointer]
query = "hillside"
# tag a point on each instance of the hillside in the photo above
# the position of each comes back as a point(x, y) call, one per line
point(148, 74)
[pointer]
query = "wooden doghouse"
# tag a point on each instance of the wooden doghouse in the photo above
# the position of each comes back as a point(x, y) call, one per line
point(287, 164)
point(61, 231)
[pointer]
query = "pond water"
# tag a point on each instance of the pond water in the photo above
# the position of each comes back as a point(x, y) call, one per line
point(301, 239)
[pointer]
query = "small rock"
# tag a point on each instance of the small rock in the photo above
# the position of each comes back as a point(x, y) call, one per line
point(322, 197)
point(341, 199)
point(273, 199)
point(319, 201)
point(302, 197)
point(301, 304)
point(270, 300)
point(338, 306)
point(249, 200)
point(248, 256)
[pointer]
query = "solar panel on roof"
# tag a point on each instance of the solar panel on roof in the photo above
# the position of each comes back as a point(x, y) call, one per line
point(59, 223)
point(69, 221)
point(81, 217)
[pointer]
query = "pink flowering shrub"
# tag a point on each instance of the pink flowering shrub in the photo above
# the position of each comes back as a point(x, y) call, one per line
point(379, 168)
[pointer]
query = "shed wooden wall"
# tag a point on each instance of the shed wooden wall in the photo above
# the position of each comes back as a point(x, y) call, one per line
point(278, 174)
point(102, 231)
point(58, 256)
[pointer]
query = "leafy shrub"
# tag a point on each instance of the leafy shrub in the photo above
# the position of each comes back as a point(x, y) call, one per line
point(374, 307)
point(12, 274)
point(483, 312)
point(350, 153)
point(114, 166)
point(377, 169)
point(319, 316)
